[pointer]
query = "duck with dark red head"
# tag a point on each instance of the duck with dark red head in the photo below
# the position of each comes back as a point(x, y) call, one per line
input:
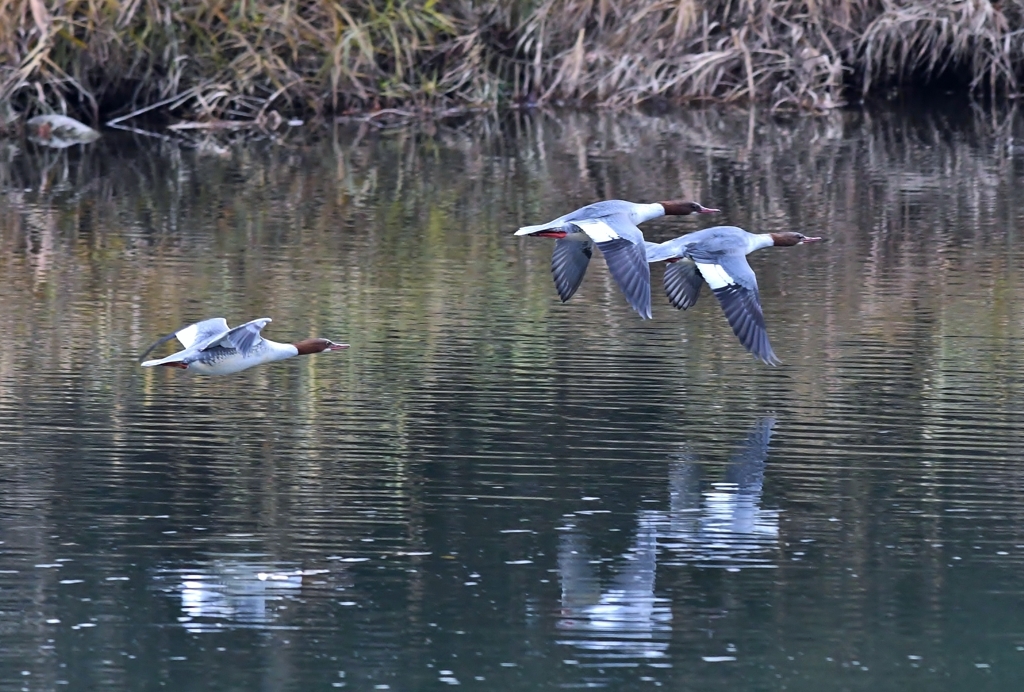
point(213, 348)
point(612, 226)
point(718, 256)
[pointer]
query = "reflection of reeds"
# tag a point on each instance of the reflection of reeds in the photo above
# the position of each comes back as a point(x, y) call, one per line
point(927, 39)
point(386, 217)
point(219, 60)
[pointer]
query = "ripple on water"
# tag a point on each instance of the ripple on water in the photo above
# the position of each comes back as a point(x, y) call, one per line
point(490, 485)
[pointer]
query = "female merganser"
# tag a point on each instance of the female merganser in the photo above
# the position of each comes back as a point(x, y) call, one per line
point(212, 348)
point(612, 226)
point(718, 255)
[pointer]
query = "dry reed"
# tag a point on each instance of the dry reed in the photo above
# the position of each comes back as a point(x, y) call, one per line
point(249, 60)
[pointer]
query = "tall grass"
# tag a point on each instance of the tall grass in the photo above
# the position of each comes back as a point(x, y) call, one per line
point(249, 60)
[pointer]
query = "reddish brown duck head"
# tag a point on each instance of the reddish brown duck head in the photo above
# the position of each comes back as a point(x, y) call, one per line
point(682, 208)
point(309, 346)
point(791, 238)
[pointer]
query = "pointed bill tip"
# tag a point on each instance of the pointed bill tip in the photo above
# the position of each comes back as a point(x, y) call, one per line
point(811, 240)
point(337, 347)
point(708, 210)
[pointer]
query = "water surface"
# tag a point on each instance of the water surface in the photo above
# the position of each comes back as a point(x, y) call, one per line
point(491, 488)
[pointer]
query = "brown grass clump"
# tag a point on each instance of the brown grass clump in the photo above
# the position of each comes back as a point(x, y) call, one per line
point(929, 39)
point(236, 60)
point(216, 61)
point(788, 54)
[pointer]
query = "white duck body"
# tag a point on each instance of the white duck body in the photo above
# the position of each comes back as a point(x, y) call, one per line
point(636, 212)
point(612, 226)
point(212, 348)
point(718, 256)
point(716, 240)
point(225, 361)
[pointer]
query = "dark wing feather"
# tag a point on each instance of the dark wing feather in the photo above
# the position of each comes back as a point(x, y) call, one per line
point(735, 286)
point(624, 249)
point(683, 283)
point(569, 263)
point(742, 308)
point(627, 262)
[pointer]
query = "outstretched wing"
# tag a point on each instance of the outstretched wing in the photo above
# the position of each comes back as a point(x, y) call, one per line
point(569, 263)
point(243, 338)
point(683, 283)
point(201, 331)
point(624, 250)
point(192, 334)
point(735, 286)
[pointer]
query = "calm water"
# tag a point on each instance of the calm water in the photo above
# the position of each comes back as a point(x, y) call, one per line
point(490, 488)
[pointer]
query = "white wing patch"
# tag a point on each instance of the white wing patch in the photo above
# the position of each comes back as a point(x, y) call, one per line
point(187, 336)
point(205, 329)
point(715, 275)
point(597, 230)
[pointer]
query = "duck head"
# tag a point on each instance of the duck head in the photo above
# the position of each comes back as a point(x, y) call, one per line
point(682, 208)
point(792, 238)
point(309, 346)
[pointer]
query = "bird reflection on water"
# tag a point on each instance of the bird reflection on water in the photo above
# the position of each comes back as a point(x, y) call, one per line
point(721, 526)
point(227, 592)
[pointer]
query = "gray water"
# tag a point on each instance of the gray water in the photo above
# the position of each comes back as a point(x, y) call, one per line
point(491, 488)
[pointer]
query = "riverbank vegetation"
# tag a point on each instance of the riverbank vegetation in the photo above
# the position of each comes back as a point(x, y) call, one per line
point(258, 61)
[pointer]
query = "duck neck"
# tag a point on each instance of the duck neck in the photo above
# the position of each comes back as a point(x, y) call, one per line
point(756, 241)
point(646, 212)
point(677, 208)
point(278, 351)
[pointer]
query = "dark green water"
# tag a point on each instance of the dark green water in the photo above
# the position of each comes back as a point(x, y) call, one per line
point(491, 488)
